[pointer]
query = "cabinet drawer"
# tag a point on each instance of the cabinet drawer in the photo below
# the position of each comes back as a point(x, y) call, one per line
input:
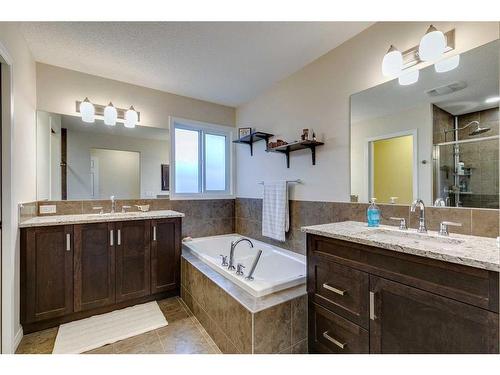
point(341, 289)
point(330, 333)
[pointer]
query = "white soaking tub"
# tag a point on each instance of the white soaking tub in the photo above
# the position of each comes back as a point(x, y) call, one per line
point(277, 269)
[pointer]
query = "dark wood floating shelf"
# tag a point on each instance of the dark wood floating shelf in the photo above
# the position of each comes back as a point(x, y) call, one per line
point(252, 138)
point(286, 149)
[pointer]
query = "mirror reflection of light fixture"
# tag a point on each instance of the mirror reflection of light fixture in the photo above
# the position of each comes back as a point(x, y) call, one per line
point(110, 114)
point(409, 78)
point(432, 45)
point(392, 62)
point(447, 64)
point(131, 118)
point(87, 110)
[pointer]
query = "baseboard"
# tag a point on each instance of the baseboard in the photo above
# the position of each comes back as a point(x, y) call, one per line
point(17, 338)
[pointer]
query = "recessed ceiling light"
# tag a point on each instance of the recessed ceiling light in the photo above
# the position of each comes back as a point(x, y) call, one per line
point(493, 99)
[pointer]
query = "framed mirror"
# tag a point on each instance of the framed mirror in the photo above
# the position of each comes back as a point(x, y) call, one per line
point(78, 160)
point(437, 139)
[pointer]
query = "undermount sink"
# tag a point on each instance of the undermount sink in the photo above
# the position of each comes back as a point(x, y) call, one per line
point(111, 214)
point(409, 235)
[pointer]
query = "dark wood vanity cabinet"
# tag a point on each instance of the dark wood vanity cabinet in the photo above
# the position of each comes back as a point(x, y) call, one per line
point(48, 261)
point(364, 299)
point(74, 271)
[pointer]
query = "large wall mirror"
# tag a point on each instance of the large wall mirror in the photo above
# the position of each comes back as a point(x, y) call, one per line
point(78, 160)
point(437, 139)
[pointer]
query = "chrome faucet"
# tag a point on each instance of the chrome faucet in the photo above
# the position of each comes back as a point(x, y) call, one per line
point(419, 202)
point(113, 204)
point(231, 253)
point(254, 265)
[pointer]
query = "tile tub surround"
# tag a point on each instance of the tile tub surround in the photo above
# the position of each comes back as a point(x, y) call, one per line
point(239, 322)
point(248, 219)
point(42, 221)
point(202, 217)
point(478, 252)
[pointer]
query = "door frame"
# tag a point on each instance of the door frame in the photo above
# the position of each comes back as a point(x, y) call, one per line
point(369, 158)
point(9, 337)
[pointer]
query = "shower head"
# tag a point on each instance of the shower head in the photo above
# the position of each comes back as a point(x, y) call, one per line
point(479, 130)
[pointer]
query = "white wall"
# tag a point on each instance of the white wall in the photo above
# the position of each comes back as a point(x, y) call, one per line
point(153, 153)
point(317, 97)
point(419, 118)
point(18, 168)
point(59, 88)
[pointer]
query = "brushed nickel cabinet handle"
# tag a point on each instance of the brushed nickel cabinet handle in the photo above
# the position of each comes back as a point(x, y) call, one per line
point(68, 242)
point(334, 290)
point(372, 306)
point(154, 233)
point(111, 238)
point(334, 341)
point(119, 239)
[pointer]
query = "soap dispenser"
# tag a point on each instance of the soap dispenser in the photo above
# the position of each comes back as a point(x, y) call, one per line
point(373, 214)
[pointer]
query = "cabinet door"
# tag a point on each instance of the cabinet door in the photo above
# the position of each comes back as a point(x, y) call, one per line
point(165, 255)
point(94, 264)
point(409, 320)
point(49, 272)
point(132, 260)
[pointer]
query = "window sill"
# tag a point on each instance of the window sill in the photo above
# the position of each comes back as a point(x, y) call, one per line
point(180, 197)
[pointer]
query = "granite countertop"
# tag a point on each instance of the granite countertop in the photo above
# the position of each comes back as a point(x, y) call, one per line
point(473, 251)
point(42, 221)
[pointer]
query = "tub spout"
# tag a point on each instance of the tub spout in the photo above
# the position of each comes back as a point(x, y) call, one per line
point(231, 253)
point(254, 265)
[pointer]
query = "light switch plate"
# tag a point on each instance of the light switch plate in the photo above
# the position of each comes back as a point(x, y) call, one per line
point(48, 209)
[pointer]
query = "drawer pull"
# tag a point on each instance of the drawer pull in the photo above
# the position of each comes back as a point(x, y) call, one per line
point(332, 340)
point(119, 240)
point(154, 233)
point(334, 290)
point(372, 306)
point(68, 242)
point(111, 238)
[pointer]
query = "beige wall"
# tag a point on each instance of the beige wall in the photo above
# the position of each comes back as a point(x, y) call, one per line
point(317, 97)
point(59, 88)
point(18, 169)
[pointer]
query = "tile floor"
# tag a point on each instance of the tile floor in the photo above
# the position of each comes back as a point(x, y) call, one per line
point(183, 335)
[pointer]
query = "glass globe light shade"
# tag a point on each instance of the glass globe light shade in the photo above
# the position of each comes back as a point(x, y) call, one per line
point(408, 78)
point(131, 118)
point(110, 115)
point(432, 45)
point(447, 64)
point(87, 111)
point(392, 62)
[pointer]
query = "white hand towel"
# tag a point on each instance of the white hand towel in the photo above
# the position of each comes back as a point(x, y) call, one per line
point(275, 216)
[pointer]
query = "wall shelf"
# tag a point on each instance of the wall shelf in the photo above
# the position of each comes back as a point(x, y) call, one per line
point(302, 145)
point(252, 138)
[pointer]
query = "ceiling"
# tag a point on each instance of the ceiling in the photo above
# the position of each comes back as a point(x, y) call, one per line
point(223, 62)
point(478, 71)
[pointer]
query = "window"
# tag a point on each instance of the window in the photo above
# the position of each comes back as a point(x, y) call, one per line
point(200, 159)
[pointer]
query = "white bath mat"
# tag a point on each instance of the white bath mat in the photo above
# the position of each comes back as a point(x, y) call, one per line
point(91, 333)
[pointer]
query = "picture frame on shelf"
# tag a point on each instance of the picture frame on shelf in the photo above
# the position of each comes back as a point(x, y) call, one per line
point(243, 132)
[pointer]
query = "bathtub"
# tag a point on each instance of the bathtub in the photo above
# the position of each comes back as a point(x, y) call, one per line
point(277, 269)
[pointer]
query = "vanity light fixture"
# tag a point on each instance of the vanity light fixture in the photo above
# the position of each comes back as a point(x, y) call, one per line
point(110, 114)
point(392, 64)
point(408, 78)
point(493, 99)
point(87, 110)
point(131, 118)
point(432, 45)
point(447, 64)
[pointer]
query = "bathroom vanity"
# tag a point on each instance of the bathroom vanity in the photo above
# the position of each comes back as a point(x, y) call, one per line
point(75, 266)
point(381, 290)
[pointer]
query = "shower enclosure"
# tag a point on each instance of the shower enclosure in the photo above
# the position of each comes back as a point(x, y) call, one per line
point(466, 158)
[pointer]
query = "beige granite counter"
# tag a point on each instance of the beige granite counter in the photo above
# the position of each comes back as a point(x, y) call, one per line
point(42, 221)
point(473, 251)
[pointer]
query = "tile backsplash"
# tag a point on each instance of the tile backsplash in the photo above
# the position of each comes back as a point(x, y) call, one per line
point(248, 219)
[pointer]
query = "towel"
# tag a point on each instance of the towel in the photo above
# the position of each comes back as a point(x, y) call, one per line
point(275, 216)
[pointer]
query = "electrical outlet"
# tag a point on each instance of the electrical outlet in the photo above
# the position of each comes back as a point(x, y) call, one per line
point(48, 209)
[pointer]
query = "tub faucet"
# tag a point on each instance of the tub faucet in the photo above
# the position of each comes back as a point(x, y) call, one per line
point(419, 202)
point(254, 265)
point(231, 253)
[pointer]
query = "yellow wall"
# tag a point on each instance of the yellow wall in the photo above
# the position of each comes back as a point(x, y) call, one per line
point(393, 169)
